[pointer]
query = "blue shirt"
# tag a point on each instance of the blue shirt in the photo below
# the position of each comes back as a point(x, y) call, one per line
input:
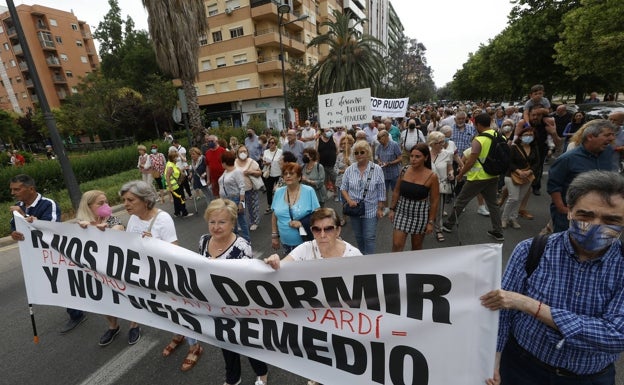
point(296, 149)
point(389, 153)
point(306, 203)
point(574, 162)
point(586, 300)
point(463, 138)
point(42, 208)
point(254, 147)
point(355, 183)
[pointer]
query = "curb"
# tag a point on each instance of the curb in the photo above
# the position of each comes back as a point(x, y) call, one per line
point(6, 241)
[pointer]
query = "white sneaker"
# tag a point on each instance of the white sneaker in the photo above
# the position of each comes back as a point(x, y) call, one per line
point(253, 227)
point(482, 210)
point(259, 382)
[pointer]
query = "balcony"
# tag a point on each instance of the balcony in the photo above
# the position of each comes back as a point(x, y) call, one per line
point(23, 66)
point(42, 26)
point(271, 90)
point(17, 49)
point(53, 61)
point(62, 95)
point(29, 83)
point(59, 79)
point(11, 32)
point(34, 98)
point(271, 64)
point(47, 44)
point(266, 11)
point(267, 38)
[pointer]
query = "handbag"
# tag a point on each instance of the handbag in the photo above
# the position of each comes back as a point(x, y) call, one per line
point(155, 174)
point(266, 169)
point(516, 178)
point(359, 210)
point(446, 187)
point(256, 181)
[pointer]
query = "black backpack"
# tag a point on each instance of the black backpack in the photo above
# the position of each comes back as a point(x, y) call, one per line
point(498, 156)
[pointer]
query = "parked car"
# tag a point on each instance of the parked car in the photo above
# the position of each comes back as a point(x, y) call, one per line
point(600, 110)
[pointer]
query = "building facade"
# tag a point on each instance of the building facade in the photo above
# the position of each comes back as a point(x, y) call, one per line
point(62, 49)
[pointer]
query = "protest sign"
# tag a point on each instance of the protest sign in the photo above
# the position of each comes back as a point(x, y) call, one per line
point(399, 318)
point(392, 108)
point(345, 108)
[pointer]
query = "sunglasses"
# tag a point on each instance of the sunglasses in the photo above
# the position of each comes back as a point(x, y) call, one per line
point(441, 142)
point(326, 230)
point(359, 152)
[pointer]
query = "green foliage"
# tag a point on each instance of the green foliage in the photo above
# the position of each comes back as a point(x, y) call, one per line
point(10, 131)
point(300, 87)
point(408, 74)
point(257, 124)
point(353, 61)
point(48, 175)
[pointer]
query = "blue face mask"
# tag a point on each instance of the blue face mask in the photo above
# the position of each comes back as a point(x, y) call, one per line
point(211, 145)
point(447, 140)
point(593, 237)
point(527, 139)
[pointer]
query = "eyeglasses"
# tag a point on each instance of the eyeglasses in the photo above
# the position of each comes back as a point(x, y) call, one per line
point(326, 229)
point(359, 152)
point(289, 173)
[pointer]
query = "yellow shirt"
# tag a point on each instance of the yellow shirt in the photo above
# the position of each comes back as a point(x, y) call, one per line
point(477, 172)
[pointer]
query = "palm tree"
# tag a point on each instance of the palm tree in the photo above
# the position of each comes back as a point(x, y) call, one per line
point(354, 60)
point(175, 27)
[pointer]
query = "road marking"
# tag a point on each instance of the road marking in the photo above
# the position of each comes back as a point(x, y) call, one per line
point(10, 247)
point(110, 372)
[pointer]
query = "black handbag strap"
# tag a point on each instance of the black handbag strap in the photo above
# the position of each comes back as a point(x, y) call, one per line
point(370, 175)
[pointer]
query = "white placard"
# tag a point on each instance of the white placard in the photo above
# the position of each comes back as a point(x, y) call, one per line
point(345, 108)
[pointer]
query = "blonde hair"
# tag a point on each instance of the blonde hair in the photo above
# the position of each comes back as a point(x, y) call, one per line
point(141, 147)
point(84, 212)
point(346, 154)
point(363, 145)
point(222, 204)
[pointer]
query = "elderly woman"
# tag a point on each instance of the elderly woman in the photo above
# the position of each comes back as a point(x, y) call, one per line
point(363, 183)
point(200, 181)
point(144, 164)
point(314, 174)
point(232, 187)
point(292, 206)
point(174, 185)
point(249, 168)
point(222, 243)
point(344, 159)
point(442, 165)
point(271, 163)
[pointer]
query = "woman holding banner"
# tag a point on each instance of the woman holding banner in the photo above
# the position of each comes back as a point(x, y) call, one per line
point(222, 243)
point(139, 200)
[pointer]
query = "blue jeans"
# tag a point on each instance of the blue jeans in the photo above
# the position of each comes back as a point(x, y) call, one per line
point(242, 227)
point(365, 230)
point(518, 367)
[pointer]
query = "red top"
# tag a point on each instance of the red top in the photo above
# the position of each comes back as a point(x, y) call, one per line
point(213, 162)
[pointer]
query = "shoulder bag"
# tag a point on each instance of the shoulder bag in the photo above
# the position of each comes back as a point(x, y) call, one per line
point(359, 209)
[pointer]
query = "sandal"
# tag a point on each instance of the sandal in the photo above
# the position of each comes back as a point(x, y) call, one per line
point(191, 358)
point(440, 236)
point(172, 345)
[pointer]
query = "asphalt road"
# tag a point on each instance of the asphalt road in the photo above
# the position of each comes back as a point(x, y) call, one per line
point(76, 358)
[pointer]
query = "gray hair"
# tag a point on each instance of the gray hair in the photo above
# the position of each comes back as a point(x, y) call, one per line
point(595, 128)
point(435, 136)
point(24, 179)
point(142, 190)
point(446, 129)
point(605, 183)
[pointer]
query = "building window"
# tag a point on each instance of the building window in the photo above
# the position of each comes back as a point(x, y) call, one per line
point(210, 89)
point(224, 87)
point(205, 65)
point(216, 36)
point(74, 90)
point(64, 57)
point(74, 27)
point(24, 95)
point(220, 62)
point(1, 29)
point(59, 39)
point(18, 79)
point(53, 22)
point(12, 63)
point(232, 4)
point(212, 10)
point(203, 40)
point(79, 43)
point(69, 74)
point(236, 32)
point(240, 59)
point(84, 59)
point(6, 46)
point(242, 84)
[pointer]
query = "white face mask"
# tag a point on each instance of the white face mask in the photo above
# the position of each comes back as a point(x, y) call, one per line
point(242, 156)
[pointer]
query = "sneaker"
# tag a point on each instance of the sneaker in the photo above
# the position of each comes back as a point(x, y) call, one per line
point(134, 335)
point(336, 199)
point(109, 336)
point(188, 215)
point(72, 323)
point(496, 235)
point(515, 224)
point(504, 223)
point(259, 382)
point(237, 383)
point(253, 227)
point(482, 210)
point(447, 228)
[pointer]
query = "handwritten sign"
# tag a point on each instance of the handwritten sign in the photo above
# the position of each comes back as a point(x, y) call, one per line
point(399, 318)
point(345, 108)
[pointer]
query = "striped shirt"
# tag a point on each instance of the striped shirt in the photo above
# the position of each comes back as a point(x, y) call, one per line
point(355, 183)
point(463, 138)
point(586, 300)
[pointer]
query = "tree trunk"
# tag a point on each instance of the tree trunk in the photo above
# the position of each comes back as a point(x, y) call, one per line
point(197, 130)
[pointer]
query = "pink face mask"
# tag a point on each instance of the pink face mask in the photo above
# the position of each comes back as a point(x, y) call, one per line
point(104, 211)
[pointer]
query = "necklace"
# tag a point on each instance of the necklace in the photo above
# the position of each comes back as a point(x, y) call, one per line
point(292, 202)
point(216, 246)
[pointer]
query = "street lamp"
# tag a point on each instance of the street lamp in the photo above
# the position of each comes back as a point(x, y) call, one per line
point(281, 11)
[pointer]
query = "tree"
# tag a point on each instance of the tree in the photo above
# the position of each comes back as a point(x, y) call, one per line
point(353, 61)
point(591, 44)
point(9, 128)
point(175, 27)
point(300, 88)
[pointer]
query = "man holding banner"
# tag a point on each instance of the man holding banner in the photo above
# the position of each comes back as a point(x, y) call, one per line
point(562, 296)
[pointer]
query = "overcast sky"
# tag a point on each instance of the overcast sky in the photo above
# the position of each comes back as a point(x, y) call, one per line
point(449, 29)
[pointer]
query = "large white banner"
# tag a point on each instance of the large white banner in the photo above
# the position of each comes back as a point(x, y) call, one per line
point(400, 318)
point(389, 107)
point(345, 108)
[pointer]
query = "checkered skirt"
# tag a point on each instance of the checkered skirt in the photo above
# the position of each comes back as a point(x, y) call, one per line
point(411, 216)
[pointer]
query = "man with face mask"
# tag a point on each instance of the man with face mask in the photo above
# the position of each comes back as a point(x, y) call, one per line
point(253, 145)
point(594, 153)
point(409, 138)
point(562, 318)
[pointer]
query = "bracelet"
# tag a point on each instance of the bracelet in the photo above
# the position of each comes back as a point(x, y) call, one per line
point(539, 307)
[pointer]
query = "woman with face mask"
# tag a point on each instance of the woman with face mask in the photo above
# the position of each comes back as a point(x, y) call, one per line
point(523, 167)
point(249, 168)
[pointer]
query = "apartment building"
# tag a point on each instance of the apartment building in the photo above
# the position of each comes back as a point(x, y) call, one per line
point(240, 63)
point(62, 49)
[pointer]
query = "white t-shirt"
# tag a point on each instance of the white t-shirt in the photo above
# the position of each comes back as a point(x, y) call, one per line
point(273, 158)
point(308, 133)
point(308, 251)
point(163, 227)
point(409, 138)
